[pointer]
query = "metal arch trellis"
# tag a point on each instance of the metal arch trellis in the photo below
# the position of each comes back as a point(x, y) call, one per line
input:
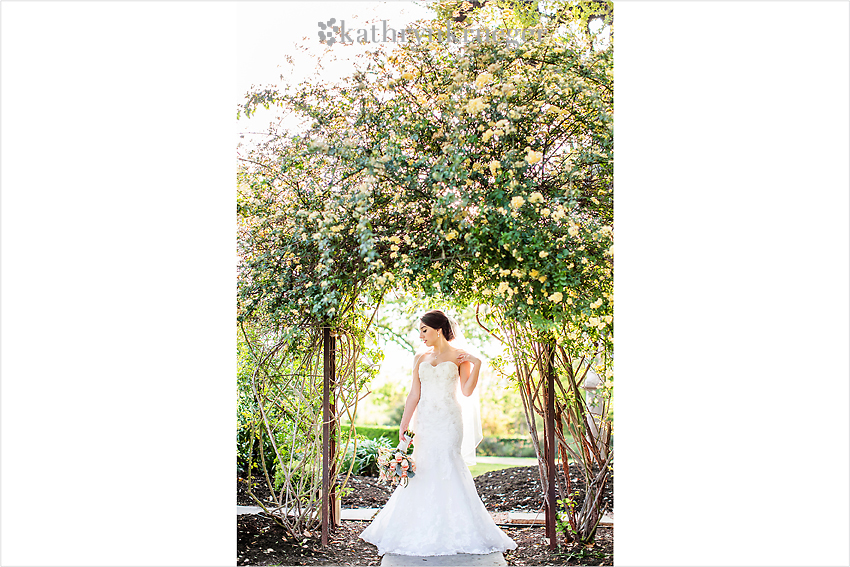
point(541, 362)
point(306, 494)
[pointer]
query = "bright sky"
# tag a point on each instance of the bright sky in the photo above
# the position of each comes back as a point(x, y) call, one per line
point(268, 32)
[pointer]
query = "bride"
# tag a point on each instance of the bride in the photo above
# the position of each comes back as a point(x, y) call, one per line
point(439, 511)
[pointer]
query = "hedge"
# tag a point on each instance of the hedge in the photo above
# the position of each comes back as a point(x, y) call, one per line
point(515, 446)
point(375, 431)
point(506, 447)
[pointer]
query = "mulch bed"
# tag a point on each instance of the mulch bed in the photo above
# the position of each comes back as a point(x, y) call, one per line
point(262, 542)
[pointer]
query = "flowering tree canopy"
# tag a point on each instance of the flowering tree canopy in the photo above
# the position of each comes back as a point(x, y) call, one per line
point(482, 171)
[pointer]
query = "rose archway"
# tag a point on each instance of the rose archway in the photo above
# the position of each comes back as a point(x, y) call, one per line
point(478, 174)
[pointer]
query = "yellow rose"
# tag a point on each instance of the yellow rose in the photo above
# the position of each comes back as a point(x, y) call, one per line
point(483, 80)
point(559, 213)
point(494, 166)
point(533, 157)
point(542, 279)
point(407, 75)
point(533, 273)
point(517, 202)
point(556, 297)
point(475, 106)
point(543, 254)
point(535, 197)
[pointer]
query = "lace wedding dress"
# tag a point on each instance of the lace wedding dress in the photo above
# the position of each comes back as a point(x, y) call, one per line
point(439, 511)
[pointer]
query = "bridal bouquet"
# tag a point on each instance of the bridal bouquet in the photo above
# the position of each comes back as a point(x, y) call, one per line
point(395, 465)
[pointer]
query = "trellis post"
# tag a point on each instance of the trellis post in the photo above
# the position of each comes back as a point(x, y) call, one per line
point(549, 446)
point(328, 444)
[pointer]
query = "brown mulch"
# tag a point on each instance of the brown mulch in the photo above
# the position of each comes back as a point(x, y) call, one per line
point(262, 542)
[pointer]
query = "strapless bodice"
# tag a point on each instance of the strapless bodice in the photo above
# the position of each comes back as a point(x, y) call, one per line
point(438, 383)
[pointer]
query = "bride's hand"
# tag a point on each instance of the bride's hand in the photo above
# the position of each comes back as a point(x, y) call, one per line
point(466, 357)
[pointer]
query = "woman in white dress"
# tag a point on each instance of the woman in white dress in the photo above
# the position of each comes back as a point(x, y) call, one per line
point(439, 512)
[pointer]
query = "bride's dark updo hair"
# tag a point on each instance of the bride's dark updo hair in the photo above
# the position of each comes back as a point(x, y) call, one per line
point(436, 319)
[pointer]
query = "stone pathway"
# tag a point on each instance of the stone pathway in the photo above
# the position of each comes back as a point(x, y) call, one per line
point(495, 558)
point(501, 518)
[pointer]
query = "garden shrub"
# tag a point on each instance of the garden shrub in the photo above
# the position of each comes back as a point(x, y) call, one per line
point(366, 456)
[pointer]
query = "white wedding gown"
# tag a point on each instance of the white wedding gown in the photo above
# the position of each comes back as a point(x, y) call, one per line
point(439, 511)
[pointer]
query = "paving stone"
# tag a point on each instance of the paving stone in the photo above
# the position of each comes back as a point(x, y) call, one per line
point(540, 518)
point(358, 513)
point(501, 518)
point(495, 558)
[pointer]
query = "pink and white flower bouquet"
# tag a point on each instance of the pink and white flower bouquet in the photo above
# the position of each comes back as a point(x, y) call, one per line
point(396, 466)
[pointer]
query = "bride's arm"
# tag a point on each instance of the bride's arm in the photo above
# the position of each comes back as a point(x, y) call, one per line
point(412, 400)
point(469, 366)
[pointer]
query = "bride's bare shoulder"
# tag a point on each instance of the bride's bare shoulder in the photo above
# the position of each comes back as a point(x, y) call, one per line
point(457, 351)
point(422, 355)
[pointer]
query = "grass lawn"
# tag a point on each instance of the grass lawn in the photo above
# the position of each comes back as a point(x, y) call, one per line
point(480, 468)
